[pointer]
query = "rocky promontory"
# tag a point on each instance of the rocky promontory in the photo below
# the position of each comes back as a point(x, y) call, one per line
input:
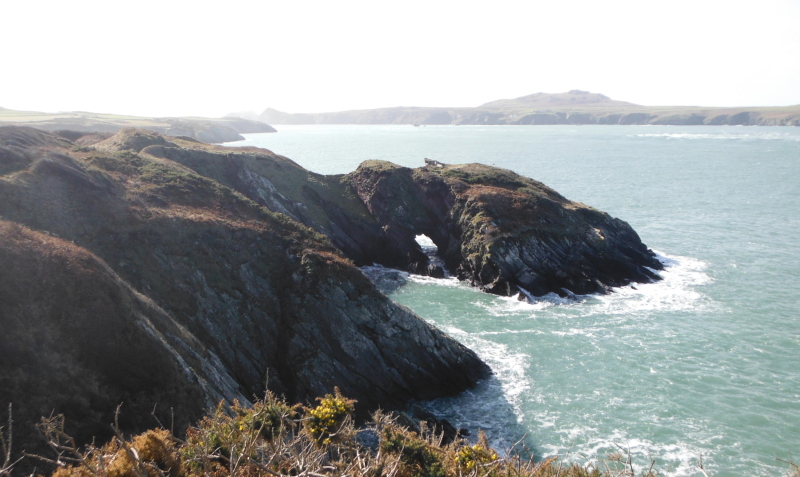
point(211, 130)
point(167, 274)
point(504, 233)
point(130, 278)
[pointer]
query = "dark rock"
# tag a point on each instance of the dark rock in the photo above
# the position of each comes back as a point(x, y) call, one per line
point(503, 232)
point(434, 424)
point(498, 230)
point(435, 271)
point(215, 291)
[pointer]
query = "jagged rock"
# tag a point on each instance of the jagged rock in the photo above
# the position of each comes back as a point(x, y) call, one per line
point(502, 232)
point(253, 291)
point(435, 271)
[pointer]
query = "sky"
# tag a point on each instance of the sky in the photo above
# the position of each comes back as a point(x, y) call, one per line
point(181, 58)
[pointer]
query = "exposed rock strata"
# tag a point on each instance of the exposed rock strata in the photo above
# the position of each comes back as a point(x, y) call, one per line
point(503, 232)
point(232, 290)
point(78, 339)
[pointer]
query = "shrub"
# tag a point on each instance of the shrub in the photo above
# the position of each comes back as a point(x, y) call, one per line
point(478, 455)
point(325, 420)
point(419, 458)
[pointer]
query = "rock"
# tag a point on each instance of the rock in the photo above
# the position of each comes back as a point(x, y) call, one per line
point(205, 293)
point(502, 232)
point(80, 340)
point(435, 271)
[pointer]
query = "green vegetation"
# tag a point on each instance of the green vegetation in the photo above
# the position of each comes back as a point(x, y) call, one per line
point(273, 438)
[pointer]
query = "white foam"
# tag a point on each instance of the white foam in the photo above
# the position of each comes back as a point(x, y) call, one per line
point(494, 406)
point(677, 460)
point(450, 282)
point(769, 136)
point(674, 292)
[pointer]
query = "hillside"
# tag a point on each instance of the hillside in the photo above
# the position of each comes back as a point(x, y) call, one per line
point(132, 279)
point(162, 272)
point(574, 107)
point(203, 129)
point(572, 99)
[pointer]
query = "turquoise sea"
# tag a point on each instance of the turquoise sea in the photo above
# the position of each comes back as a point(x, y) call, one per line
point(704, 364)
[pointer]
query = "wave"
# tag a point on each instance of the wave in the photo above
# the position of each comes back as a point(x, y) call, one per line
point(677, 460)
point(511, 404)
point(676, 291)
point(494, 405)
point(769, 136)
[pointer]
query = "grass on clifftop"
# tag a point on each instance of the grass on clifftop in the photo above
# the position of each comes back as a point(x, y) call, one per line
point(273, 438)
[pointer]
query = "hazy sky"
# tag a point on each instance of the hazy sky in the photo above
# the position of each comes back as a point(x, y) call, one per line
point(210, 58)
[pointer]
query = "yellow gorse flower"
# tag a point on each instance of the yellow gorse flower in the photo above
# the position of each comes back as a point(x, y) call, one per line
point(470, 457)
point(326, 418)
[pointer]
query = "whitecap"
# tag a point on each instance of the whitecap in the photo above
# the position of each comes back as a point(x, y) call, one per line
point(494, 405)
point(741, 136)
point(674, 292)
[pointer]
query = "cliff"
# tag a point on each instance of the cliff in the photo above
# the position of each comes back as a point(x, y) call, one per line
point(131, 278)
point(202, 129)
point(153, 270)
point(573, 107)
point(504, 233)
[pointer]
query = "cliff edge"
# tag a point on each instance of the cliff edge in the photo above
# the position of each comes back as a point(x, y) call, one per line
point(131, 278)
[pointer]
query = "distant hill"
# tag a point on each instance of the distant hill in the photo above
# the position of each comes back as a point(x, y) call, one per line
point(573, 107)
point(571, 99)
point(203, 129)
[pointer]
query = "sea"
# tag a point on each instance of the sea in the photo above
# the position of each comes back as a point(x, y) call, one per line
point(700, 369)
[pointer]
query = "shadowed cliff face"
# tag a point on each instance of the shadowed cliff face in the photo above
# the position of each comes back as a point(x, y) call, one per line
point(77, 339)
point(185, 269)
point(145, 269)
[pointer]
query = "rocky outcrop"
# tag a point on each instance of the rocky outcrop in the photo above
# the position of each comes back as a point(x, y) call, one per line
point(204, 292)
point(78, 339)
point(504, 233)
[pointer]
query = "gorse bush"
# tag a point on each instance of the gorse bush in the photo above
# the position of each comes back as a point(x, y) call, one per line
point(274, 439)
point(326, 420)
point(469, 458)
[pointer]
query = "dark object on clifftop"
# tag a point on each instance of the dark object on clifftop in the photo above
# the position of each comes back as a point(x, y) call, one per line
point(128, 277)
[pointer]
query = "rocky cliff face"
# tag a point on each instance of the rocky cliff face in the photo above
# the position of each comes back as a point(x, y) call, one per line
point(80, 340)
point(504, 233)
point(170, 286)
point(151, 269)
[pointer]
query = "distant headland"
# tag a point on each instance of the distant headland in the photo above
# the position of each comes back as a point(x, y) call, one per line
point(203, 129)
point(573, 107)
